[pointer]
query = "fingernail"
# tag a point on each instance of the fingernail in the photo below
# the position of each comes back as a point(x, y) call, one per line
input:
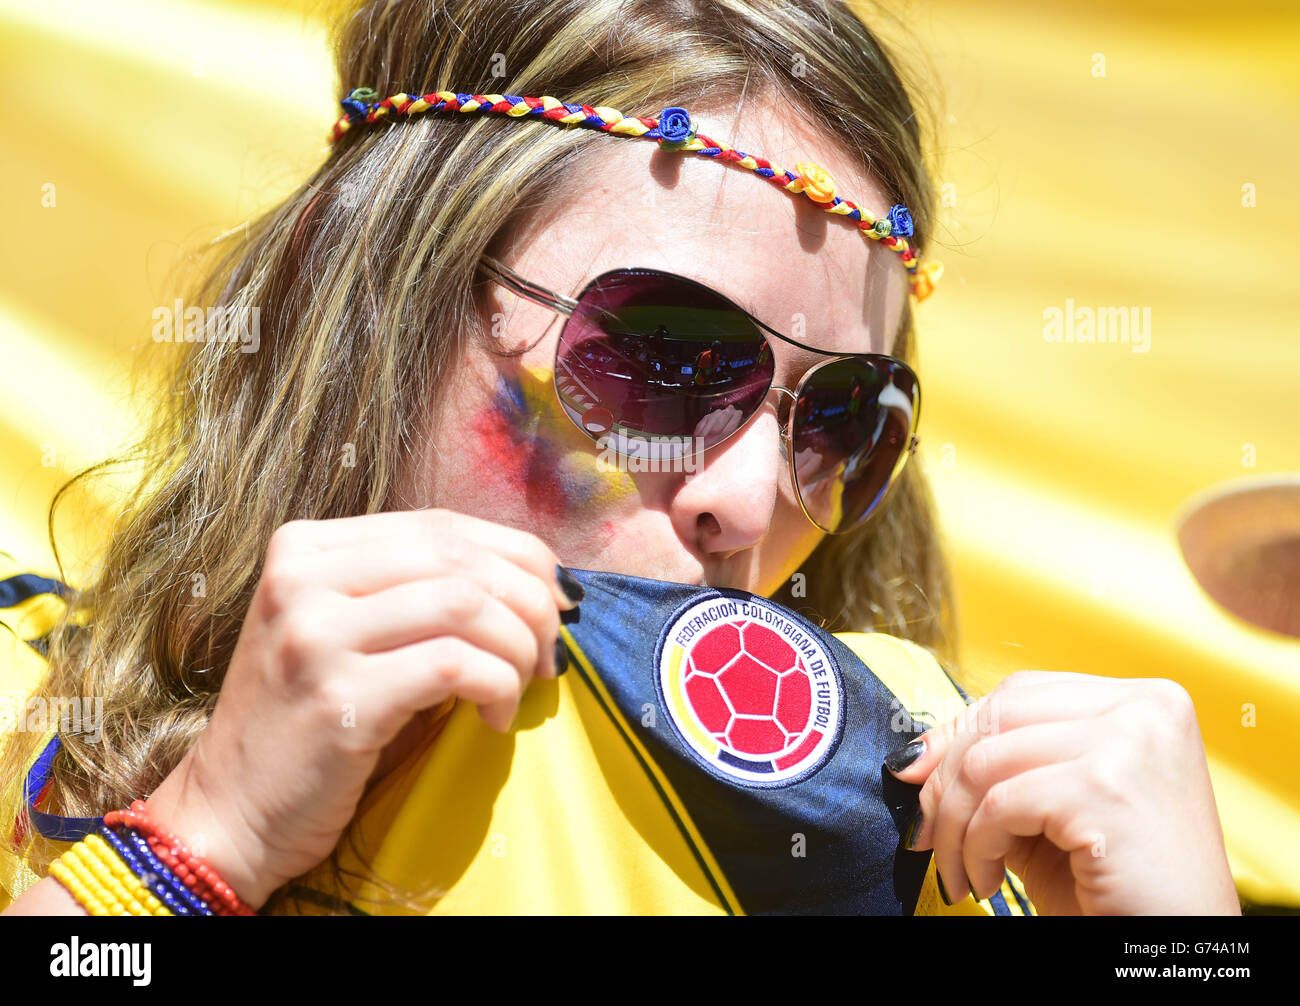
point(899, 759)
point(561, 657)
point(570, 615)
point(913, 829)
point(571, 587)
point(942, 893)
point(972, 891)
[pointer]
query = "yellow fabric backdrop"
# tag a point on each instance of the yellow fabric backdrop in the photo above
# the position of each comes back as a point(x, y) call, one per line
point(1092, 154)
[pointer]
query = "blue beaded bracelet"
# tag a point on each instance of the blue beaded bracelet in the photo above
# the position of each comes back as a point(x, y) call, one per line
point(146, 852)
point(141, 845)
point(154, 882)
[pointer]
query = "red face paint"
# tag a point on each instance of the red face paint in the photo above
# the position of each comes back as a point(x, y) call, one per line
point(520, 451)
point(514, 462)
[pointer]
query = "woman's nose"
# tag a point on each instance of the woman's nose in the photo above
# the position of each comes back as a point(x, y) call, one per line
point(727, 503)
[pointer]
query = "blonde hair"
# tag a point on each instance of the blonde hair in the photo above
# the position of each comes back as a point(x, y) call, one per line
point(365, 282)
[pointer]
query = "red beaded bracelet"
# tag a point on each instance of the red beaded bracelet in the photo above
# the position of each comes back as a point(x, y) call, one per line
point(173, 853)
point(220, 898)
point(194, 871)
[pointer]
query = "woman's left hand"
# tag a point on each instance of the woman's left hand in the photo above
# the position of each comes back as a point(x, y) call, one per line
point(1094, 791)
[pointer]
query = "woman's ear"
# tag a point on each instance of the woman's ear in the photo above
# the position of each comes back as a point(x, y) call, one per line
point(508, 327)
point(490, 301)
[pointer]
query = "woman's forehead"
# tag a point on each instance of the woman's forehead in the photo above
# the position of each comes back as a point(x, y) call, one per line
point(805, 272)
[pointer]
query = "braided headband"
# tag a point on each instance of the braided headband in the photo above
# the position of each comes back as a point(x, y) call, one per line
point(674, 131)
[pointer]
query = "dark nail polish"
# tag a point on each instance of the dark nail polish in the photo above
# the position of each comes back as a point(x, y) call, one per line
point(570, 615)
point(972, 891)
point(561, 657)
point(898, 760)
point(942, 893)
point(571, 587)
point(913, 829)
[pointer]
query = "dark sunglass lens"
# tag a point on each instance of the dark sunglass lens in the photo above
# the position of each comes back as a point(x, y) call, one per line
point(851, 428)
point(648, 357)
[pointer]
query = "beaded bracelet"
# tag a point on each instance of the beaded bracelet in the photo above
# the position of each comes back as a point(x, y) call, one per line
point(673, 129)
point(122, 881)
point(83, 862)
point(140, 846)
point(192, 870)
point(131, 865)
point(87, 892)
point(199, 884)
point(102, 882)
point(164, 885)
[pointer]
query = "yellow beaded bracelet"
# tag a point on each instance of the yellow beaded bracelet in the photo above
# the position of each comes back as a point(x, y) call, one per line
point(123, 874)
point(104, 875)
point(96, 876)
point(98, 879)
point(82, 885)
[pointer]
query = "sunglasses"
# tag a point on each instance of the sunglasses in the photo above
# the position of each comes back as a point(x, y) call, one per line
point(659, 367)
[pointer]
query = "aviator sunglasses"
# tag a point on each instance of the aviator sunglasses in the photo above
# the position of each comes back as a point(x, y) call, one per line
point(659, 367)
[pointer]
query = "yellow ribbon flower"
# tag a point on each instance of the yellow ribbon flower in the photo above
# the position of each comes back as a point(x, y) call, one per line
point(924, 279)
point(818, 184)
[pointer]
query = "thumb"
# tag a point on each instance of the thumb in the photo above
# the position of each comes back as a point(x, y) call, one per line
point(914, 761)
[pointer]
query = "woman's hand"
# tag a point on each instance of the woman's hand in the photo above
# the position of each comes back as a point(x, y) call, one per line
point(1094, 791)
point(356, 625)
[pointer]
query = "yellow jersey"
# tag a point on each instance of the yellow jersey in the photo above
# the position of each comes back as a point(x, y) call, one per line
point(708, 752)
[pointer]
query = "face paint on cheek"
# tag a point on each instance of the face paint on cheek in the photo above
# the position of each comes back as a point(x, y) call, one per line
point(505, 460)
point(529, 446)
point(576, 458)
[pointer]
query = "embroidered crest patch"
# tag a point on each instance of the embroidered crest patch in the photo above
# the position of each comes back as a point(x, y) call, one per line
point(751, 691)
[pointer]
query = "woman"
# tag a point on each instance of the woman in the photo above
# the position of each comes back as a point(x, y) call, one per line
point(376, 503)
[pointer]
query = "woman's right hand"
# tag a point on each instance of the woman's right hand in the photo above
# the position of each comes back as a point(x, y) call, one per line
point(356, 625)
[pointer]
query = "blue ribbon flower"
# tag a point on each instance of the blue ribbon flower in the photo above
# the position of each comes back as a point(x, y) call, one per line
point(355, 104)
point(900, 221)
point(675, 127)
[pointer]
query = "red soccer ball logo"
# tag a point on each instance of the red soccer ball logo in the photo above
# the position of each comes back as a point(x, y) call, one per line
point(749, 689)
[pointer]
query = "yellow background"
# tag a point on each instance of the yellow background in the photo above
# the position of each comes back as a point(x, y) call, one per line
point(1060, 469)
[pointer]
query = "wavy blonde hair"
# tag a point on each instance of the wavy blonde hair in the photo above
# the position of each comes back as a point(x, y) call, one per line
point(365, 282)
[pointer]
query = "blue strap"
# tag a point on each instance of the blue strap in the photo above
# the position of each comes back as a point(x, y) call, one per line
point(52, 826)
point(16, 589)
point(13, 591)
